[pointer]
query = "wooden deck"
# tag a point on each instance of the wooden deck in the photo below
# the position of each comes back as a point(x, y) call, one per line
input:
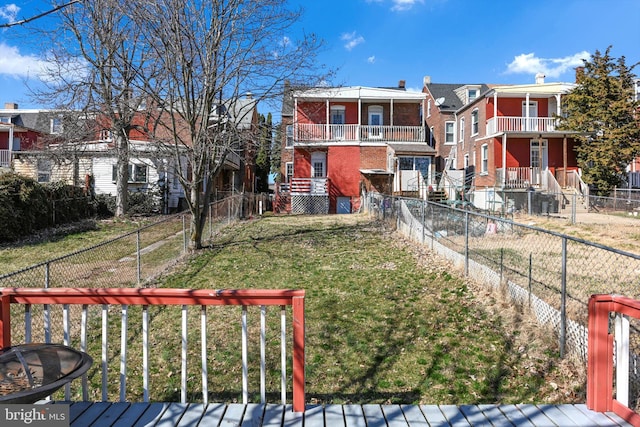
point(120, 414)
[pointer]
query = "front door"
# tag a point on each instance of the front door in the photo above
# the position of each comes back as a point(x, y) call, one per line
point(539, 160)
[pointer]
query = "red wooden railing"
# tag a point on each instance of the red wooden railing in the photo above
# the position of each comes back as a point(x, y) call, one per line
point(185, 297)
point(600, 363)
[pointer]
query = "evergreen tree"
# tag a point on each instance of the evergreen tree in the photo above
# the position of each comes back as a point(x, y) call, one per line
point(276, 154)
point(263, 157)
point(603, 107)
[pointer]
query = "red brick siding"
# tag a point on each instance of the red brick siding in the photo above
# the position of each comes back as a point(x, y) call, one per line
point(373, 158)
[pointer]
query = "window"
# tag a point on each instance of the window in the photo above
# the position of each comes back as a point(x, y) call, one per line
point(106, 135)
point(474, 122)
point(288, 171)
point(44, 170)
point(472, 94)
point(429, 108)
point(5, 119)
point(462, 131)
point(484, 159)
point(431, 141)
point(289, 136)
point(449, 133)
point(466, 161)
point(56, 125)
point(137, 173)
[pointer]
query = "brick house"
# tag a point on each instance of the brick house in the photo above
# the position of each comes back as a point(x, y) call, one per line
point(504, 138)
point(338, 141)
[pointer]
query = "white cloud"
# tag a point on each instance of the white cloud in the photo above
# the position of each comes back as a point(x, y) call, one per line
point(371, 59)
point(402, 5)
point(528, 63)
point(15, 64)
point(9, 12)
point(352, 40)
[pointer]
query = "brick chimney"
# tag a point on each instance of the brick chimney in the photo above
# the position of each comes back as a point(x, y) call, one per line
point(10, 106)
point(401, 84)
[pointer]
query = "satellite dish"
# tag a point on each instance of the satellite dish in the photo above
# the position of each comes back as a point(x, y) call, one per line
point(439, 101)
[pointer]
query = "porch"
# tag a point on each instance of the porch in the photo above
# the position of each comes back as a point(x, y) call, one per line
point(101, 414)
point(319, 133)
point(78, 323)
point(5, 158)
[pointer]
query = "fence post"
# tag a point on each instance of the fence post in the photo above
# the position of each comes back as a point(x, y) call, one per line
point(138, 255)
point(184, 234)
point(501, 264)
point(433, 226)
point(466, 243)
point(210, 222)
point(563, 300)
point(47, 282)
point(574, 207)
point(424, 225)
point(298, 354)
point(530, 276)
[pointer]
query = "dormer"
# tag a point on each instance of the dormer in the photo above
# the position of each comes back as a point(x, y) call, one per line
point(468, 93)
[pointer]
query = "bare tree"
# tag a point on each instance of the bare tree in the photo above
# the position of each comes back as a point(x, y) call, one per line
point(96, 70)
point(210, 54)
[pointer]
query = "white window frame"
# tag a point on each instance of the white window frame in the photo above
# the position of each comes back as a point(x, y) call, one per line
point(452, 133)
point(288, 174)
point(484, 159)
point(134, 173)
point(431, 130)
point(476, 94)
point(429, 108)
point(289, 136)
point(44, 170)
point(474, 122)
point(56, 125)
point(462, 131)
point(466, 161)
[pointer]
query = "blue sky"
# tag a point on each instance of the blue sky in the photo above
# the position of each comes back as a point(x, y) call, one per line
point(379, 42)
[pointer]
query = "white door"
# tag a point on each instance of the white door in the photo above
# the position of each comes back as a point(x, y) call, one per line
point(318, 164)
point(539, 160)
point(375, 121)
point(532, 123)
point(337, 122)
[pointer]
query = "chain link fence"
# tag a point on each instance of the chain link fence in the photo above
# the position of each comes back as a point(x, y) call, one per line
point(552, 273)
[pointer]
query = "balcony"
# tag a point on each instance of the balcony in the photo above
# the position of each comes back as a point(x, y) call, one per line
point(520, 124)
point(319, 133)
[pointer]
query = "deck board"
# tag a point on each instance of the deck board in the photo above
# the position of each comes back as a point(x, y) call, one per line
point(121, 414)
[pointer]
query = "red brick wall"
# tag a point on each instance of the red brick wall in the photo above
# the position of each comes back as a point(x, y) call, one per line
point(373, 158)
point(343, 169)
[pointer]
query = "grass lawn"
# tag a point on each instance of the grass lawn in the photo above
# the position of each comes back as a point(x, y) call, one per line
point(386, 322)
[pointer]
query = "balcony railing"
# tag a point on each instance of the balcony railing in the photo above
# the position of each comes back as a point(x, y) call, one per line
point(5, 158)
point(79, 323)
point(310, 133)
point(520, 124)
point(313, 186)
point(518, 177)
point(609, 353)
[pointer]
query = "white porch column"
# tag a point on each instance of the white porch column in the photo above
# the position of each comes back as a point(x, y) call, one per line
point(327, 120)
point(504, 160)
point(526, 112)
point(495, 109)
point(295, 120)
point(391, 114)
point(558, 109)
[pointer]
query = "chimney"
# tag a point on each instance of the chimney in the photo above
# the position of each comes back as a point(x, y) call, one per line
point(540, 78)
point(10, 106)
point(401, 84)
point(426, 80)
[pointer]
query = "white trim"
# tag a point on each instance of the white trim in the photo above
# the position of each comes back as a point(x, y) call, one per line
point(453, 133)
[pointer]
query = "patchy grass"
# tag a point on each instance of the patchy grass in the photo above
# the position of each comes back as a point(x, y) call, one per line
point(386, 322)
